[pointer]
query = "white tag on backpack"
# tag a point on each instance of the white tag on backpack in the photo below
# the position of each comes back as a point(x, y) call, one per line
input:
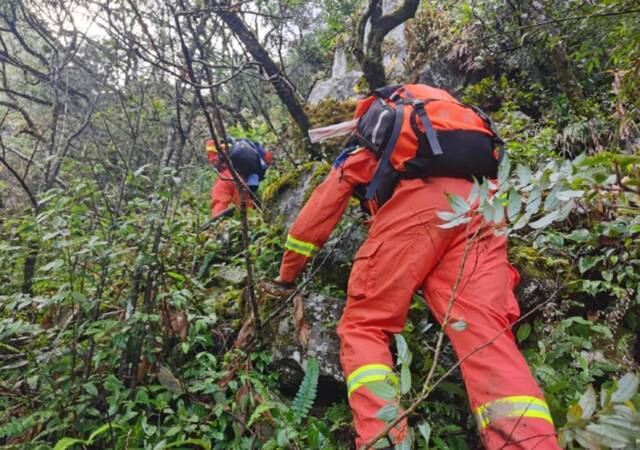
point(338, 129)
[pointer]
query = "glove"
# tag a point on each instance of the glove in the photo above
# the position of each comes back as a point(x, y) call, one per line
point(278, 288)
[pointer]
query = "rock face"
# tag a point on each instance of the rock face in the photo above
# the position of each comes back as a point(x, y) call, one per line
point(341, 85)
point(290, 196)
point(321, 313)
point(440, 74)
point(342, 82)
point(340, 88)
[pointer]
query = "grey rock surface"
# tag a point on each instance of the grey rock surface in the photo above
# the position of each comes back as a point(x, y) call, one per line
point(289, 355)
point(440, 74)
point(338, 88)
point(288, 203)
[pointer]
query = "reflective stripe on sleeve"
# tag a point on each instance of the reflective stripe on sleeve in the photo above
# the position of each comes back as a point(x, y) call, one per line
point(514, 407)
point(301, 247)
point(367, 374)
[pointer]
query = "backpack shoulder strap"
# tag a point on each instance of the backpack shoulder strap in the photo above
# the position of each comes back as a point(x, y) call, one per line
point(386, 155)
point(429, 131)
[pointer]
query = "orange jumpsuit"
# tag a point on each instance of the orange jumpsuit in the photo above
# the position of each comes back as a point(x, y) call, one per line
point(223, 191)
point(404, 252)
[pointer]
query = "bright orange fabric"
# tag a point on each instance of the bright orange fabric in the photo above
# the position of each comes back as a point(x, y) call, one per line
point(224, 192)
point(321, 213)
point(443, 110)
point(406, 251)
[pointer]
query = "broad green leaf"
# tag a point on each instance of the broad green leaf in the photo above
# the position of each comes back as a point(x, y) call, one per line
point(587, 439)
point(388, 412)
point(407, 443)
point(522, 222)
point(626, 388)
point(446, 215)
point(55, 264)
point(551, 202)
point(458, 204)
point(101, 429)
point(504, 169)
point(574, 413)
point(405, 379)
point(534, 201)
point(545, 221)
point(569, 194)
point(403, 349)
point(565, 437)
point(580, 235)
point(282, 437)
point(487, 211)
point(425, 430)
point(91, 389)
point(459, 221)
point(514, 204)
point(498, 214)
point(475, 192)
point(381, 389)
point(565, 210)
point(524, 174)
point(169, 381)
point(588, 262)
point(607, 435)
point(523, 332)
point(199, 442)
point(626, 426)
point(67, 442)
point(176, 276)
point(161, 445)
point(459, 325)
point(588, 402)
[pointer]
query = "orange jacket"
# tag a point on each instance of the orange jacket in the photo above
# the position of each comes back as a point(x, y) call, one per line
point(321, 213)
point(224, 192)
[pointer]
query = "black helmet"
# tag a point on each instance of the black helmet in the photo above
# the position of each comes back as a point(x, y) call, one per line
point(245, 158)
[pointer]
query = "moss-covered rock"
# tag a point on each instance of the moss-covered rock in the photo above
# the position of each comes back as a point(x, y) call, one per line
point(284, 195)
point(289, 352)
point(538, 272)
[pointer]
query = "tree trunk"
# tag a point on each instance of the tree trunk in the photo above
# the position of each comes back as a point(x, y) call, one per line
point(283, 88)
point(368, 50)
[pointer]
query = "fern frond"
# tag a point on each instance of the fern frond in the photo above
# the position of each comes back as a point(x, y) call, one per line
point(307, 391)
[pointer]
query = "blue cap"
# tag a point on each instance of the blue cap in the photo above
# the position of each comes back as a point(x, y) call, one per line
point(253, 180)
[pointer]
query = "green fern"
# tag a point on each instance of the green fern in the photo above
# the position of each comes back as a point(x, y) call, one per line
point(307, 390)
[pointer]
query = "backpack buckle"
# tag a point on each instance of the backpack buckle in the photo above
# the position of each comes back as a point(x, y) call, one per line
point(418, 104)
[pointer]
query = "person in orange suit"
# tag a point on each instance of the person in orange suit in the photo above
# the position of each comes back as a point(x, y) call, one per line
point(250, 160)
point(407, 251)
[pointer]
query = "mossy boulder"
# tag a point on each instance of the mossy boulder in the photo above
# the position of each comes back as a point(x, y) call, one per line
point(290, 353)
point(284, 195)
point(539, 274)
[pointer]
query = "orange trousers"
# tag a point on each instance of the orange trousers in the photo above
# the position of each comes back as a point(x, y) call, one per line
point(224, 192)
point(406, 251)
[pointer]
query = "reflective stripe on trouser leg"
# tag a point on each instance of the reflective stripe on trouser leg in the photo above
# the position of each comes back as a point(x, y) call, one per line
point(515, 407)
point(304, 248)
point(368, 374)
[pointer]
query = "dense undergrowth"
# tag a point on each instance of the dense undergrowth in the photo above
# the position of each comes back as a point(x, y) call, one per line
point(119, 308)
